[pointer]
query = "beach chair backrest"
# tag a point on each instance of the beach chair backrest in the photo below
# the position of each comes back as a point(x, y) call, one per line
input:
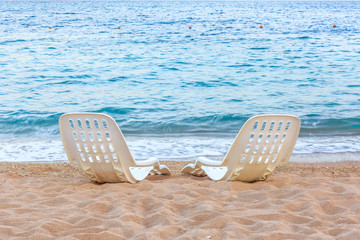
point(261, 144)
point(97, 144)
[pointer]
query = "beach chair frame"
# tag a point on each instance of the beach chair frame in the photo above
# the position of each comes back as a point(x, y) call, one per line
point(263, 143)
point(95, 142)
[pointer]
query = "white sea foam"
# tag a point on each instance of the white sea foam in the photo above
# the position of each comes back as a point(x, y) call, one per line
point(31, 150)
point(336, 144)
point(170, 148)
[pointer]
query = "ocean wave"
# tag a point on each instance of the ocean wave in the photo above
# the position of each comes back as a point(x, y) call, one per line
point(25, 122)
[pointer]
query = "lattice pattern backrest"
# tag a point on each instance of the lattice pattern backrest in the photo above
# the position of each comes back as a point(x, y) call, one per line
point(93, 138)
point(265, 139)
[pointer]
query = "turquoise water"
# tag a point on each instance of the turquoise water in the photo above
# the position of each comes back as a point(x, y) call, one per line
point(174, 91)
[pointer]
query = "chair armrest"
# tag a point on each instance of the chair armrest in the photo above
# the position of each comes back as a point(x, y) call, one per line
point(207, 161)
point(147, 162)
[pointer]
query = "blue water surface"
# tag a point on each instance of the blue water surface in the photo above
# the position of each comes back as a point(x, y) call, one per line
point(157, 76)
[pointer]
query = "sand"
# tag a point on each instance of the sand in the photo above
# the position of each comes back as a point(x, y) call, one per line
point(299, 201)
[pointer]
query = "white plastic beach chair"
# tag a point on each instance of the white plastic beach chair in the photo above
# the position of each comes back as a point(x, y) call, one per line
point(98, 146)
point(261, 144)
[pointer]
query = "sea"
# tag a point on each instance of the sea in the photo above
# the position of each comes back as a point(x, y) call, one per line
point(179, 77)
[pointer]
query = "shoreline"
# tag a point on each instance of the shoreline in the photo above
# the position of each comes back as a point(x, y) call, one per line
point(67, 170)
point(306, 150)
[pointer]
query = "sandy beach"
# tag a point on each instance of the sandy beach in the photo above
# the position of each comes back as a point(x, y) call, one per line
point(299, 201)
